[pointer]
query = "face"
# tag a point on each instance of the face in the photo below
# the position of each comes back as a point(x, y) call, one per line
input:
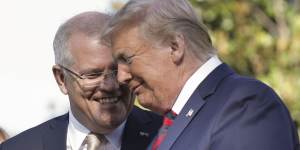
point(149, 71)
point(102, 107)
point(2, 138)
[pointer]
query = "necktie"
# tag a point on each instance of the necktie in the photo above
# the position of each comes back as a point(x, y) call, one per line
point(95, 141)
point(168, 121)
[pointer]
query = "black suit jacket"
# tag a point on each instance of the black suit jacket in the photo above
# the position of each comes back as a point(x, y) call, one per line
point(140, 129)
point(231, 112)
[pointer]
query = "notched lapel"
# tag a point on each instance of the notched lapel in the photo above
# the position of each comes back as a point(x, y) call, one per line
point(188, 112)
point(195, 103)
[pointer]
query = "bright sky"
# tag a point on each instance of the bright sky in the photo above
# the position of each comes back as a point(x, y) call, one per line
point(29, 94)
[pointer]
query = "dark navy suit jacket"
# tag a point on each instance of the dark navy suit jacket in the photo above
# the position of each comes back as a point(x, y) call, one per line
point(231, 112)
point(140, 128)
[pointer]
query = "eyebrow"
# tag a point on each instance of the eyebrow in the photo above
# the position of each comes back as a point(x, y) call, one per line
point(93, 70)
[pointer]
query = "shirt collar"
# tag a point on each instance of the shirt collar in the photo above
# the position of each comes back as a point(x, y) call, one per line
point(194, 81)
point(115, 138)
point(77, 133)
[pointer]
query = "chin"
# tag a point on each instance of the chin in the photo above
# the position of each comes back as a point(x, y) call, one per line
point(105, 126)
point(144, 103)
point(114, 121)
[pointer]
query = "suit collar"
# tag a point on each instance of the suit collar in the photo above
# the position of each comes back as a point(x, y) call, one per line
point(139, 130)
point(182, 120)
point(55, 134)
point(210, 84)
point(194, 104)
point(77, 133)
point(194, 81)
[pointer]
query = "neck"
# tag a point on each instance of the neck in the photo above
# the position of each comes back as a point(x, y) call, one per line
point(185, 70)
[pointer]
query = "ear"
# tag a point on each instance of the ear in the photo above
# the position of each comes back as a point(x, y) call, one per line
point(60, 78)
point(177, 48)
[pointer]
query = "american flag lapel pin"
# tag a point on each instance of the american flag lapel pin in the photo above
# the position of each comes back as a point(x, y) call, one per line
point(189, 113)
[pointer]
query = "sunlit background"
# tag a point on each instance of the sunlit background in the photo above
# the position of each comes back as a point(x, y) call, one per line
point(29, 94)
point(258, 38)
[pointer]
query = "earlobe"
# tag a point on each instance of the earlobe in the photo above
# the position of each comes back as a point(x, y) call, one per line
point(177, 48)
point(60, 78)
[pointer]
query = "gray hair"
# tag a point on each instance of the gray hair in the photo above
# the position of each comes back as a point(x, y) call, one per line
point(88, 23)
point(159, 21)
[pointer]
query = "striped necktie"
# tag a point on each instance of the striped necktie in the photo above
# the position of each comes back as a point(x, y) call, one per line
point(95, 141)
point(168, 121)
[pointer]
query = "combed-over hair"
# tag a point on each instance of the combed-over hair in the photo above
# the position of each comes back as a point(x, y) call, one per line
point(159, 21)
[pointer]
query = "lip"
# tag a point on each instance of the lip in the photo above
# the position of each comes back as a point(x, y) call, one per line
point(136, 88)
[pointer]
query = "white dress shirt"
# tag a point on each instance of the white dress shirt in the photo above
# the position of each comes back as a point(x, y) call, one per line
point(194, 81)
point(77, 133)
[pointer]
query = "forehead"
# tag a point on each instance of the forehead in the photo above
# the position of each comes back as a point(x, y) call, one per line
point(127, 40)
point(88, 51)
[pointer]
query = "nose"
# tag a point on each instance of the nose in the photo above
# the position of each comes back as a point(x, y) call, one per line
point(109, 84)
point(124, 75)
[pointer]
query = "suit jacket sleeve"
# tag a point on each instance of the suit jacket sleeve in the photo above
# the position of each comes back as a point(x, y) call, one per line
point(254, 119)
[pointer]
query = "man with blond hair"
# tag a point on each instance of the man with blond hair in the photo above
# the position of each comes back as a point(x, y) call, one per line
point(166, 56)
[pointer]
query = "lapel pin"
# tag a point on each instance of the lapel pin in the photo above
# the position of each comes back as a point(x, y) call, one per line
point(190, 113)
point(144, 134)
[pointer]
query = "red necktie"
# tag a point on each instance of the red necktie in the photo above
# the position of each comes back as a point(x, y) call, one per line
point(168, 121)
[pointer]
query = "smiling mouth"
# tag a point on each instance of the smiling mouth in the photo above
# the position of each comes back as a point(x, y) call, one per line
point(108, 100)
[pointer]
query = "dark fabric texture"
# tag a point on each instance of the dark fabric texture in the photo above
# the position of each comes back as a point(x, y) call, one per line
point(140, 129)
point(231, 112)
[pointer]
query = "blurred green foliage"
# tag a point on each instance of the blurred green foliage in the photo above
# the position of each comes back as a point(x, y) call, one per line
point(259, 38)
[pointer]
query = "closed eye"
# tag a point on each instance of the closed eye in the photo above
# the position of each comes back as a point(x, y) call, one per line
point(93, 75)
point(125, 59)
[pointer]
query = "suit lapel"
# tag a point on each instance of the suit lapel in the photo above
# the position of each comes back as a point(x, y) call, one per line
point(139, 130)
point(182, 120)
point(131, 135)
point(194, 104)
point(55, 134)
point(210, 84)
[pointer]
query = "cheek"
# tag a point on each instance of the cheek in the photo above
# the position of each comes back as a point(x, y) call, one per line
point(147, 71)
point(72, 87)
point(87, 92)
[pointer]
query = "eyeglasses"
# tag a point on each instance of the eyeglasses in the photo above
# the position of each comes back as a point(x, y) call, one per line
point(93, 79)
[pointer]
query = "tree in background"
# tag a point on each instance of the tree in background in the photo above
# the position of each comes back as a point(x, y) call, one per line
point(258, 38)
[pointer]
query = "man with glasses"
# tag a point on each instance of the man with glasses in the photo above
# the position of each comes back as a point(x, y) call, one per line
point(101, 115)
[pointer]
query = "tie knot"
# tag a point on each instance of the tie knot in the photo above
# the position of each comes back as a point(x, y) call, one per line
point(171, 115)
point(168, 118)
point(94, 141)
